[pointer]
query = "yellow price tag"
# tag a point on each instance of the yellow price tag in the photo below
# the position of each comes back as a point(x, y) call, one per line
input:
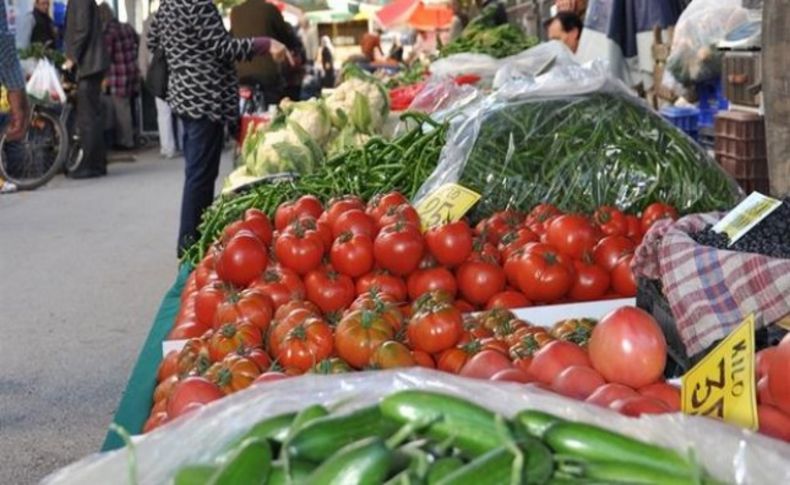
point(722, 385)
point(448, 203)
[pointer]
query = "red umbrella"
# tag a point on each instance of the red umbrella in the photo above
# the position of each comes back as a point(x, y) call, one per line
point(418, 14)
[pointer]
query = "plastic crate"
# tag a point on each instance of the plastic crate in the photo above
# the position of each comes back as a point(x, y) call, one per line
point(711, 101)
point(740, 125)
point(733, 147)
point(749, 185)
point(685, 118)
point(741, 70)
point(743, 168)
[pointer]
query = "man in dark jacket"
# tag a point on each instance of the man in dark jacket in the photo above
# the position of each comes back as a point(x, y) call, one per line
point(43, 28)
point(259, 18)
point(85, 50)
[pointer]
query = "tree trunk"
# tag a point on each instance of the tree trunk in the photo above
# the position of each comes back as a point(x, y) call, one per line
point(776, 92)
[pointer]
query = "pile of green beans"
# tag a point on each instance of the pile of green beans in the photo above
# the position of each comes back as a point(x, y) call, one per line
point(380, 166)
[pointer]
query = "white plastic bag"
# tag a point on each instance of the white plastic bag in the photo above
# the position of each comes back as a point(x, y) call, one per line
point(45, 84)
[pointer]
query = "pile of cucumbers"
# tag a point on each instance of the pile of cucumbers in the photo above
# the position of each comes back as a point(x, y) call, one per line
point(419, 437)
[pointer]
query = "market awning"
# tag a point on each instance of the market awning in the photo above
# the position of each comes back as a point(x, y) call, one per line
point(418, 14)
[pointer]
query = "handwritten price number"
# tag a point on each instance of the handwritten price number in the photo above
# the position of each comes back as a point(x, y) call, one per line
point(708, 398)
point(438, 209)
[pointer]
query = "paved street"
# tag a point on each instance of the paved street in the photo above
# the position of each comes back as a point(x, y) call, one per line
point(83, 266)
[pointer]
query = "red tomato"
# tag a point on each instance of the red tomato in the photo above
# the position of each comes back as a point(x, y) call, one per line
point(191, 391)
point(609, 393)
point(479, 281)
point(384, 283)
point(450, 244)
point(242, 260)
point(773, 422)
point(306, 344)
point(206, 302)
point(258, 356)
point(637, 406)
point(778, 376)
point(485, 365)
point(188, 329)
point(299, 251)
point(572, 235)
point(330, 290)
point(381, 203)
point(611, 249)
point(232, 229)
point(338, 206)
point(667, 393)
point(453, 360)
point(611, 221)
point(423, 359)
point(426, 280)
point(634, 228)
point(230, 337)
point(591, 282)
point(270, 377)
point(544, 277)
point(623, 279)
point(250, 306)
point(284, 215)
point(436, 329)
point(403, 213)
point(655, 212)
point(398, 248)
point(515, 240)
point(354, 221)
point(359, 334)
point(763, 361)
point(628, 347)
point(314, 227)
point(168, 366)
point(764, 393)
point(352, 254)
point(508, 299)
point(308, 205)
point(555, 357)
point(258, 222)
point(499, 224)
point(281, 284)
point(483, 250)
point(577, 382)
point(464, 306)
point(392, 355)
point(513, 375)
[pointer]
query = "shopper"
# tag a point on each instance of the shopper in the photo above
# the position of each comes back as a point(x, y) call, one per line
point(565, 27)
point(85, 50)
point(500, 15)
point(13, 80)
point(371, 47)
point(308, 34)
point(123, 77)
point(327, 62)
point(44, 31)
point(203, 90)
point(259, 18)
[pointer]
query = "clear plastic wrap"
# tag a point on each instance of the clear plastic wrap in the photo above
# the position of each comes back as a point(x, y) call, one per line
point(577, 138)
point(694, 57)
point(730, 454)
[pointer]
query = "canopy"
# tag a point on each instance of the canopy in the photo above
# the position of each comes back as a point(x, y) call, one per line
point(418, 14)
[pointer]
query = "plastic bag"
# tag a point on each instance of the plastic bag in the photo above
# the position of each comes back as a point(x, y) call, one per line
point(577, 138)
point(729, 453)
point(694, 56)
point(45, 84)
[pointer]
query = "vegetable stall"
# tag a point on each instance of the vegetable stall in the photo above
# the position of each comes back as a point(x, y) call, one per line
point(493, 294)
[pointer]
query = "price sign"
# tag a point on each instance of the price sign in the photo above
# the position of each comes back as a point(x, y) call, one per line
point(722, 385)
point(448, 203)
point(746, 215)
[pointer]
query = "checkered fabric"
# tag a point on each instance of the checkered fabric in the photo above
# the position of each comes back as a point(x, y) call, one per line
point(122, 41)
point(710, 291)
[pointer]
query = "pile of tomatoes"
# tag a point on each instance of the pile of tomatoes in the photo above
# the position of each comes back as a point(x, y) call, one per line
point(773, 390)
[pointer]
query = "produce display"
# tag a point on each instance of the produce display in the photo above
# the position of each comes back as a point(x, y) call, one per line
point(418, 436)
point(773, 387)
point(482, 36)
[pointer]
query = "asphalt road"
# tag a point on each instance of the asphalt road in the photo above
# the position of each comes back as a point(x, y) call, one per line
point(83, 267)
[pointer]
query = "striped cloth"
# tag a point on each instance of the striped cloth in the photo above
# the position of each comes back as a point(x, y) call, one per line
point(710, 291)
point(10, 71)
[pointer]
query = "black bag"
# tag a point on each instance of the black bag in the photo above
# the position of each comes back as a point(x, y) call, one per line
point(156, 77)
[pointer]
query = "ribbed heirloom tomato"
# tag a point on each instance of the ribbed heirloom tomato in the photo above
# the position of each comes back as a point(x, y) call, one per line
point(359, 334)
point(250, 306)
point(233, 374)
point(190, 392)
point(305, 344)
point(206, 302)
point(391, 355)
point(230, 337)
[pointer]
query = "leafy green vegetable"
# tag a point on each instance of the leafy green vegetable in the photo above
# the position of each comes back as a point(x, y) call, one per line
point(481, 36)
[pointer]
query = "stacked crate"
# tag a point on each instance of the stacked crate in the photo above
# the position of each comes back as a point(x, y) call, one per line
point(741, 150)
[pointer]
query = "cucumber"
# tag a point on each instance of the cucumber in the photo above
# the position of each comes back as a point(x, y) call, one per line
point(471, 427)
point(633, 474)
point(493, 467)
point(194, 475)
point(536, 422)
point(305, 417)
point(249, 465)
point(442, 468)
point(274, 428)
point(299, 471)
point(365, 462)
point(322, 437)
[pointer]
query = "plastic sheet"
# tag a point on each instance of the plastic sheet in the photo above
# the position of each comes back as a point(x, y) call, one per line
point(577, 138)
point(729, 453)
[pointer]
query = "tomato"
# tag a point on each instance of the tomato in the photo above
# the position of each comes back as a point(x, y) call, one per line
point(331, 366)
point(257, 355)
point(359, 334)
point(426, 280)
point(194, 356)
point(623, 279)
point(773, 422)
point(591, 283)
point(513, 375)
point(311, 226)
point(544, 277)
point(230, 337)
point(655, 212)
point(164, 389)
point(250, 306)
point(667, 393)
point(242, 260)
point(609, 393)
point(305, 344)
point(524, 344)
point(270, 377)
point(232, 229)
point(634, 228)
point(611, 249)
point(330, 290)
point(577, 382)
point(639, 405)
point(354, 221)
point(611, 221)
point(450, 244)
point(352, 254)
point(479, 281)
point(515, 240)
point(310, 309)
point(339, 206)
point(168, 366)
point(205, 275)
point(423, 359)
point(398, 248)
point(299, 250)
point(391, 355)
point(404, 214)
point(572, 235)
point(555, 357)
point(778, 372)
point(233, 374)
point(381, 203)
point(453, 360)
point(763, 361)
point(575, 330)
point(435, 329)
point(499, 224)
point(764, 393)
point(628, 347)
point(207, 301)
point(258, 222)
point(542, 213)
point(485, 365)
point(281, 285)
point(308, 205)
point(190, 391)
point(508, 299)
point(384, 283)
point(188, 329)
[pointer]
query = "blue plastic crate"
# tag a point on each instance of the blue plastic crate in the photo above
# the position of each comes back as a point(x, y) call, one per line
point(686, 118)
point(711, 101)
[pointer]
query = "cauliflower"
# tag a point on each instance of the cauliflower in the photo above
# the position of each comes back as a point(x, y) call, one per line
point(313, 117)
point(347, 138)
point(287, 149)
point(237, 178)
point(363, 103)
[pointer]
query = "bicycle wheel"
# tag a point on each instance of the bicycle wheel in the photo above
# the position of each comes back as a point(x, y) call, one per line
point(33, 161)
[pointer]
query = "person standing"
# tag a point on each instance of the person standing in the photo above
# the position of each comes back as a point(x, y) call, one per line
point(44, 31)
point(14, 81)
point(309, 37)
point(203, 90)
point(85, 51)
point(327, 61)
point(164, 116)
point(123, 77)
point(565, 27)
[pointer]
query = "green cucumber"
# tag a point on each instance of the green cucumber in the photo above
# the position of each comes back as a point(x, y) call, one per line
point(633, 474)
point(194, 475)
point(275, 428)
point(299, 471)
point(249, 465)
point(365, 462)
point(536, 422)
point(324, 436)
point(471, 427)
point(305, 417)
point(442, 468)
point(496, 466)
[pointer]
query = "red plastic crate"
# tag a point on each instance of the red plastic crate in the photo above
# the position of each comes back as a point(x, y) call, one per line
point(740, 125)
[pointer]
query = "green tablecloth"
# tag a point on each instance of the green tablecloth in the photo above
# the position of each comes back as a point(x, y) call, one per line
point(137, 398)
